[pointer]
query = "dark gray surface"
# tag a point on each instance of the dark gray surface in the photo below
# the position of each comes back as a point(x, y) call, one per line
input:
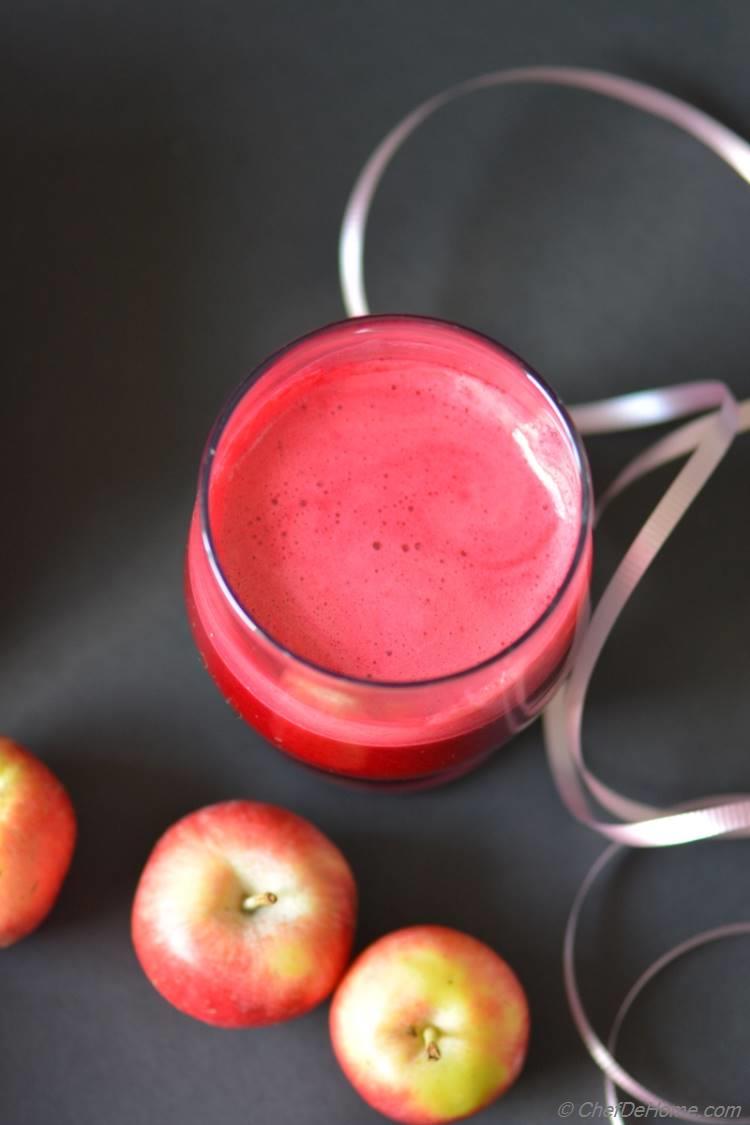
point(173, 177)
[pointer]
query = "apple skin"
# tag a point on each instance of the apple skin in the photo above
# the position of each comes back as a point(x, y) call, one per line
point(37, 838)
point(430, 1025)
point(233, 967)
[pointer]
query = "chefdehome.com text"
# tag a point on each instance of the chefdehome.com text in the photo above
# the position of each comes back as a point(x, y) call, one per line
point(634, 1111)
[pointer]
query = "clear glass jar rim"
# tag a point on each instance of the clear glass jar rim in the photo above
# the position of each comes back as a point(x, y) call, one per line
point(357, 324)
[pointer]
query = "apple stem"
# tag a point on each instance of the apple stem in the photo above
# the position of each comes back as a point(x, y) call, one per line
point(252, 902)
point(430, 1035)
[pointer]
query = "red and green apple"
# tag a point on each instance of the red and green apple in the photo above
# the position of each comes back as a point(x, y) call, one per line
point(244, 915)
point(430, 1025)
point(37, 837)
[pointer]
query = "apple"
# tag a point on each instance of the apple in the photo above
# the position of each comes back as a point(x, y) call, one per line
point(429, 1025)
point(37, 837)
point(244, 915)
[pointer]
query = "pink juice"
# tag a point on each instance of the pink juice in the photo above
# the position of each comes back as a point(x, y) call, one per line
point(390, 553)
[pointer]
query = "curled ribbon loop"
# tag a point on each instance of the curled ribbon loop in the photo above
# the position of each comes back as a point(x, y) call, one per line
point(615, 1076)
point(716, 420)
point(707, 442)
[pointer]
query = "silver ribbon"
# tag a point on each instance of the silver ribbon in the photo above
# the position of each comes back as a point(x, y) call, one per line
point(717, 418)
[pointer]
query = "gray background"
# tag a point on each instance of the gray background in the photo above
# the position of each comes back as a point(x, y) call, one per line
point(173, 177)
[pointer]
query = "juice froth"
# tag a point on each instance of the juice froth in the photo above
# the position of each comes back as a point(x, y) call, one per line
point(397, 523)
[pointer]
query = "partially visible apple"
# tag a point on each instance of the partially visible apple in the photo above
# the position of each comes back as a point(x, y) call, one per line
point(37, 837)
point(430, 1025)
point(244, 915)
